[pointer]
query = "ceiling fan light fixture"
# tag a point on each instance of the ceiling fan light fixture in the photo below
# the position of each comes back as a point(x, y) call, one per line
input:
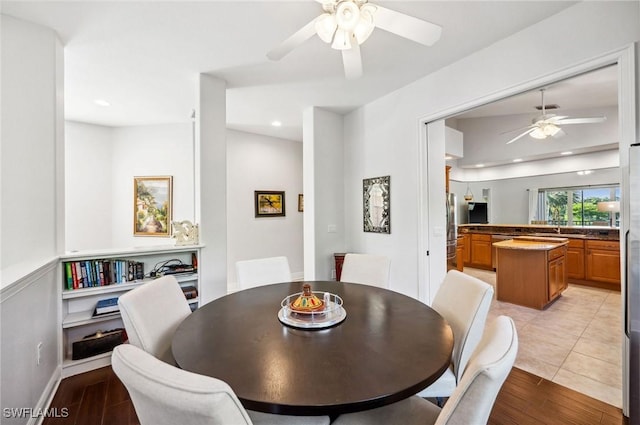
point(342, 40)
point(326, 27)
point(538, 133)
point(347, 15)
point(551, 129)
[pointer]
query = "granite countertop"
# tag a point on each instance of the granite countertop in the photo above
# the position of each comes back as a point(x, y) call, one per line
point(532, 243)
point(573, 232)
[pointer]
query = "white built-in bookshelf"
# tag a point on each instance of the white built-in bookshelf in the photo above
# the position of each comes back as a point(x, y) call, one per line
point(89, 276)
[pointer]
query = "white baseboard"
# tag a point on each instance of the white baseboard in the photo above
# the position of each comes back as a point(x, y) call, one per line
point(46, 397)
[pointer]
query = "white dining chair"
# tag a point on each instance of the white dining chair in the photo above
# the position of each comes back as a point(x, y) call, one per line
point(473, 398)
point(151, 314)
point(366, 268)
point(262, 271)
point(163, 394)
point(464, 302)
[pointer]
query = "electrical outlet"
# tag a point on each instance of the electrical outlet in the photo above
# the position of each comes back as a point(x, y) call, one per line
point(38, 353)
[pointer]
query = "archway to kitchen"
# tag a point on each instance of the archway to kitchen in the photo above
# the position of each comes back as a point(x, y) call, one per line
point(432, 164)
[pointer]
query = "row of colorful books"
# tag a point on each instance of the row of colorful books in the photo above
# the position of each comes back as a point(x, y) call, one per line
point(91, 273)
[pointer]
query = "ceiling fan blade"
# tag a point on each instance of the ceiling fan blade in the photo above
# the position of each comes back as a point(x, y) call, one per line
point(582, 120)
point(406, 26)
point(559, 133)
point(352, 62)
point(520, 135)
point(299, 37)
point(518, 129)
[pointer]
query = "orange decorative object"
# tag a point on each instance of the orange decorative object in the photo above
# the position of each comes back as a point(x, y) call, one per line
point(307, 302)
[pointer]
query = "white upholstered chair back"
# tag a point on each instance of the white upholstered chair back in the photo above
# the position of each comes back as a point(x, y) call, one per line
point(464, 302)
point(476, 393)
point(366, 268)
point(262, 271)
point(472, 400)
point(163, 394)
point(151, 314)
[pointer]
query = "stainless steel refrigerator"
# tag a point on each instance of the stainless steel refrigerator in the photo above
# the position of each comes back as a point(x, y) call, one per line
point(632, 288)
point(452, 227)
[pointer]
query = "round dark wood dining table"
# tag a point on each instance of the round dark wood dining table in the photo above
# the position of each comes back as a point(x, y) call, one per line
point(389, 347)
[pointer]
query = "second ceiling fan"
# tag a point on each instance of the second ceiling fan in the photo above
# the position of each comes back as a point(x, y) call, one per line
point(346, 24)
point(548, 125)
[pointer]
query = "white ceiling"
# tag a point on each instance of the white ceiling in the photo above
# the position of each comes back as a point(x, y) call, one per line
point(145, 57)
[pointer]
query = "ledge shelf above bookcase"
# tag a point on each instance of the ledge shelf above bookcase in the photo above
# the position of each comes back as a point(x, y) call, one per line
point(78, 305)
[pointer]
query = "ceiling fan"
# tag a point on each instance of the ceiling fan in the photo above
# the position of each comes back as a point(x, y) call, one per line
point(346, 24)
point(547, 125)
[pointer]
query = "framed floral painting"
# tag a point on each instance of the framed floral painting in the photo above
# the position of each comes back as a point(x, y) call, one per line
point(152, 206)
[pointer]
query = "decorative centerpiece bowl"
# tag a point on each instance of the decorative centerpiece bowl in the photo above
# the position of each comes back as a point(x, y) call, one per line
point(306, 310)
point(307, 301)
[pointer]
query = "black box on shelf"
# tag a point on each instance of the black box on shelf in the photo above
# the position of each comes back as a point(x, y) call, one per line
point(98, 343)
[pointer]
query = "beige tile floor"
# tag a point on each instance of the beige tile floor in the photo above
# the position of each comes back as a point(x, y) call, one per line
point(576, 342)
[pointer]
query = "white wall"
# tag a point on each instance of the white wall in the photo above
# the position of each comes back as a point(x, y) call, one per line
point(89, 188)
point(29, 105)
point(257, 162)
point(383, 136)
point(509, 199)
point(157, 150)
point(324, 234)
point(31, 224)
point(101, 164)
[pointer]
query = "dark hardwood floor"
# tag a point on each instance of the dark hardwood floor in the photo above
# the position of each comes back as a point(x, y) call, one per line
point(99, 398)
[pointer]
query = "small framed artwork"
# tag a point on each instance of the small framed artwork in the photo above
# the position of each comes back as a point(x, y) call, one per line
point(300, 202)
point(152, 206)
point(376, 195)
point(269, 203)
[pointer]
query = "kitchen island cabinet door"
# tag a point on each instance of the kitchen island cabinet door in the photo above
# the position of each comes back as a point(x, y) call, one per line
point(557, 277)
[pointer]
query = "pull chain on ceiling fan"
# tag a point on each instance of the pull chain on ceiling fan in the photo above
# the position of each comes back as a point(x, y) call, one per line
point(548, 125)
point(346, 24)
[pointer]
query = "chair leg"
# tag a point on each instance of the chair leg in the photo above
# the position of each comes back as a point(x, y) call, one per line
point(440, 401)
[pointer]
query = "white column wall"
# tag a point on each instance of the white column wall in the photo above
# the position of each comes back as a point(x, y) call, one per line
point(32, 188)
point(323, 189)
point(211, 178)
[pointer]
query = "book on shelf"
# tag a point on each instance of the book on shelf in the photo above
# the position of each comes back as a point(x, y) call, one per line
point(106, 306)
point(100, 272)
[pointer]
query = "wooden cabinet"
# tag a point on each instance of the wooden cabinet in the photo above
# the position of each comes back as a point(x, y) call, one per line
point(460, 249)
point(531, 277)
point(466, 253)
point(481, 251)
point(575, 259)
point(557, 273)
point(447, 169)
point(603, 261)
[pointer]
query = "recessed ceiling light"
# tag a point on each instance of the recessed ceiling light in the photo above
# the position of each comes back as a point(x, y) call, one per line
point(566, 153)
point(276, 123)
point(517, 160)
point(479, 165)
point(101, 102)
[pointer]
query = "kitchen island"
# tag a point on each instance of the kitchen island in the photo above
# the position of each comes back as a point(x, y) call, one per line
point(531, 271)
